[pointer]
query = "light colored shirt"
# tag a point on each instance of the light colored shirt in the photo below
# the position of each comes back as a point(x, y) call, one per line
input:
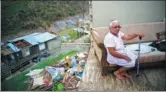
point(111, 40)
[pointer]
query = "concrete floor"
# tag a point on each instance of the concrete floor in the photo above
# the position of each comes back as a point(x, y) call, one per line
point(149, 80)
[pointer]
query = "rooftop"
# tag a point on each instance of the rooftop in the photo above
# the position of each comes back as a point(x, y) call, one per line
point(15, 45)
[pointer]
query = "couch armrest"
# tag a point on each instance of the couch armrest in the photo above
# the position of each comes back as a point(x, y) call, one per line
point(97, 50)
point(100, 51)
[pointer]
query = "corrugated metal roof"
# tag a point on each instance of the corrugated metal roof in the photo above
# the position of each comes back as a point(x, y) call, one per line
point(20, 38)
point(33, 39)
point(14, 48)
point(30, 38)
point(43, 37)
point(36, 38)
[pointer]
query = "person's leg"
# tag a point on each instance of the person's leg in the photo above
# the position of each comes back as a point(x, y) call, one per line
point(126, 74)
point(126, 66)
point(119, 71)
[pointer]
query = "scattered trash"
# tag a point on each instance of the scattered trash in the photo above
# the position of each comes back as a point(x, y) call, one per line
point(55, 71)
point(70, 82)
point(47, 78)
point(74, 63)
point(38, 81)
point(79, 75)
point(58, 87)
point(35, 73)
point(65, 75)
point(68, 61)
point(79, 68)
point(58, 78)
point(82, 63)
point(81, 55)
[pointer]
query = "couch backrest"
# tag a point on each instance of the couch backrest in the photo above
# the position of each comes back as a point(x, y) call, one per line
point(148, 29)
point(99, 33)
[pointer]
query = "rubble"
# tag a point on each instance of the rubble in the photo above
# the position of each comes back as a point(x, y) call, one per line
point(47, 78)
point(68, 61)
point(38, 81)
point(35, 73)
point(59, 87)
point(65, 75)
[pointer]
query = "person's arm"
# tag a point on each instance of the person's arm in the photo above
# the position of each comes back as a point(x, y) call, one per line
point(131, 36)
point(113, 52)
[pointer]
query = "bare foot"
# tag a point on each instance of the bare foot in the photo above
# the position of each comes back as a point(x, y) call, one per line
point(119, 76)
point(105, 77)
point(126, 74)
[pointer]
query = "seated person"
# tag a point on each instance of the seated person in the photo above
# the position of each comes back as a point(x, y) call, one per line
point(116, 53)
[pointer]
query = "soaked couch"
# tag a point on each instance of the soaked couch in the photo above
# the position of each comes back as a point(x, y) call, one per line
point(154, 58)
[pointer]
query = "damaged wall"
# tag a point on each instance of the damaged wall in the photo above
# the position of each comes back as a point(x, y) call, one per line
point(127, 12)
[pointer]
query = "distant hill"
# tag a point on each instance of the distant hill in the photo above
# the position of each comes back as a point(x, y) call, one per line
point(27, 15)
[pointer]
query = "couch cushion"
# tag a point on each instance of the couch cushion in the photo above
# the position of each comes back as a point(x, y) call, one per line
point(155, 56)
point(150, 56)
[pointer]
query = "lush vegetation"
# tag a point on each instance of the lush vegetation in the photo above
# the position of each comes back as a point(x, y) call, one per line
point(75, 35)
point(65, 31)
point(19, 80)
point(25, 15)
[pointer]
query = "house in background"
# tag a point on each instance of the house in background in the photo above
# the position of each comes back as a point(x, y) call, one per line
point(19, 52)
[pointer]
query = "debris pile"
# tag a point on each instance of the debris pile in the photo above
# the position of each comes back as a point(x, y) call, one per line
point(65, 75)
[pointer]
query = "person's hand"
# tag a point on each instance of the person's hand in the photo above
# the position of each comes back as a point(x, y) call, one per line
point(140, 35)
point(127, 58)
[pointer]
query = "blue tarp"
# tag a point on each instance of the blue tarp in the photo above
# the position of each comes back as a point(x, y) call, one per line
point(14, 48)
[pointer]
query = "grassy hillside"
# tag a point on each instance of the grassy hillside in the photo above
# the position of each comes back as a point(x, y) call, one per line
point(23, 15)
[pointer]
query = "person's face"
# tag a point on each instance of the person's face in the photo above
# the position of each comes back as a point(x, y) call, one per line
point(115, 28)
